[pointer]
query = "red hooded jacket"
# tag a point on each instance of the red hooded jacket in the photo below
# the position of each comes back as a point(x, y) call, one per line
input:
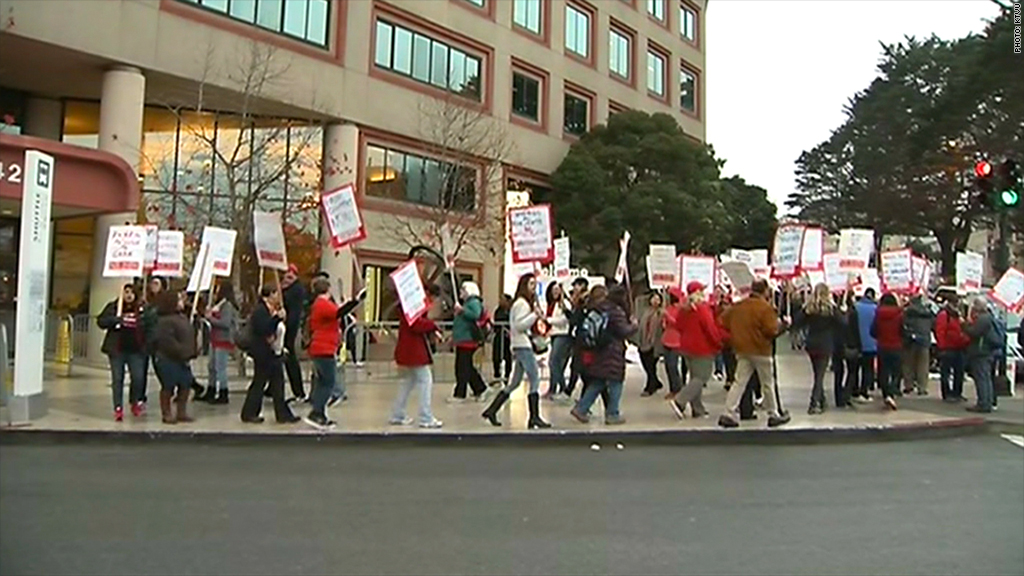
point(413, 347)
point(949, 334)
point(888, 328)
point(700, 335)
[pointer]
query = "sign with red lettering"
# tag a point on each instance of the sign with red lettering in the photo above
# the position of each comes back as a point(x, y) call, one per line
point(222, 249)
point(531, 232)
point(126, 252)
point(170, 253)
point(269, 239)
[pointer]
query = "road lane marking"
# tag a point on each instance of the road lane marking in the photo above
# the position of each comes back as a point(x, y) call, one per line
point(1018, 440)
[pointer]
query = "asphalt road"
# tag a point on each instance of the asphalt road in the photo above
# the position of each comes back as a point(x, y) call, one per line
point(928, 507)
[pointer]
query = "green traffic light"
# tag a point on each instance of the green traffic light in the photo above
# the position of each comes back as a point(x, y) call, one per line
point(1009, 197)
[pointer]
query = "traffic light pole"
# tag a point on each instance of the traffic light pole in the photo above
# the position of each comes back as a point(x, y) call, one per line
point(1002, 263)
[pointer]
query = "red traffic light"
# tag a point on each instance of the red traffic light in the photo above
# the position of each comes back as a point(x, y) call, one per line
point(983, 169)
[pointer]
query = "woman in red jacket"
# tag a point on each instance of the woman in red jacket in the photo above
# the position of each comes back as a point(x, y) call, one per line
point(887, 329)
point(413, 356)
point(325, 318)
point(700, 341)
point(952, 343)
point(675, 366)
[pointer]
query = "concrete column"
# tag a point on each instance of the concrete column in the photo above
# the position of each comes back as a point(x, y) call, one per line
point(121, 108)
point(44, 118)
point(339, 164)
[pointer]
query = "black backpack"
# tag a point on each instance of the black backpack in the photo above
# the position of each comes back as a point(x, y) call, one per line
point(592, 331)
point(243, 336)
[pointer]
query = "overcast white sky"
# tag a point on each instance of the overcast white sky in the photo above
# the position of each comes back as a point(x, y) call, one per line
point(780, 71)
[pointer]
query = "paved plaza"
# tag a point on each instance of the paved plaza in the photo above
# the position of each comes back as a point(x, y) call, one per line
point(81, 402)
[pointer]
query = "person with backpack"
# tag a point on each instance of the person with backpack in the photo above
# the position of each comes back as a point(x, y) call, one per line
point(578, 298)
point(468, 335)
point(604, 332)
point(887, 330)
point(223, 320)
point(559, 315)
point(861, 318)
point(125, 347)
point(524, 316)
point(918, 322)
point(651, 328)
point(701, 342)
point(985, 342)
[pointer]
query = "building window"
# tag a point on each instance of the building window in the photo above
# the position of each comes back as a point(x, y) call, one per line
point(688, 90)
point(577, 115)
point(577, 31)
point(426, 60)
point(655, 73)
point(306, 20)
point(619, 53)
point(687, 23)
point(408, 177)
point(656, 8)
point(526, 14)
point(615, 108)
point(526, 96)
point(477, 3)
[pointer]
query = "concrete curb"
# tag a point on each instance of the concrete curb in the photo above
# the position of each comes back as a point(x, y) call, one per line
point(781, 436)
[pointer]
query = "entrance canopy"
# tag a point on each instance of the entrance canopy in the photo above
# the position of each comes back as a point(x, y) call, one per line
point(86, 181)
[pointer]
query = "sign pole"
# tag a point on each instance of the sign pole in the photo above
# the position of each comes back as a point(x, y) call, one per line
point(199, 285)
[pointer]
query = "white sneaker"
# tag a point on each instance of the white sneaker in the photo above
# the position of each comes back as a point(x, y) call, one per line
point(435, 423)
point(403, 422)
point(455, 400)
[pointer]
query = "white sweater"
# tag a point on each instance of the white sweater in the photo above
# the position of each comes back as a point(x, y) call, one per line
point(559, 320)
point(521, 318)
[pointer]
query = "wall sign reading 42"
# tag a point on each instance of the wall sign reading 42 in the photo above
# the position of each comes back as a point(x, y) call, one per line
point(11, 173)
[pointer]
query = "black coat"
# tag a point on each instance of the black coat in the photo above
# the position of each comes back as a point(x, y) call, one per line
point(263, 325)
point(821, 330)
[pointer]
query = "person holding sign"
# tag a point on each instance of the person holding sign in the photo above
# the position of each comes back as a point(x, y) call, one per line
point(294, 296)
point(125, 347)
point(525, 314)
point(223, 319)
point(887, 330)
point(822, 320)
point(702, 340)
point(985, 345)
point(266, 346)
point(414, 357)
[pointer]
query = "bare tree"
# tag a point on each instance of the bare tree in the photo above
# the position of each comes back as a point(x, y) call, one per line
point(223, 166)
point(467, 148)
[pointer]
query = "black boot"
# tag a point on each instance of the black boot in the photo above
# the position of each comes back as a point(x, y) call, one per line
point(207, 396)
point(535, 421)
point(197, 390)
point(491, 414)
point(222, 397)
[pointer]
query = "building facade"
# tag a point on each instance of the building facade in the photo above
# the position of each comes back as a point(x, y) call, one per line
point(433, 109)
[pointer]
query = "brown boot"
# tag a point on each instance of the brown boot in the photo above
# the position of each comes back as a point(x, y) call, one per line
point(182, 402)
point(165, 408)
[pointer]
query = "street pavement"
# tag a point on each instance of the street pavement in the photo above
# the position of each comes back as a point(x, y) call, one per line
point(953, 506)
point(82, 403)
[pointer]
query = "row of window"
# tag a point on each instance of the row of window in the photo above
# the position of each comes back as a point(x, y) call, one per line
point(527, 14)
point(305, 20)
point(407, 177)
point(426, 60)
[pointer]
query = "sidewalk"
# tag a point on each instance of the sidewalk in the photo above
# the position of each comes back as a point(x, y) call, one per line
point(81, 404)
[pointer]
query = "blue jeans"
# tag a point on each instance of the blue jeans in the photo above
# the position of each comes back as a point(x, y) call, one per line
point(673, 363)
point(422, 379)
point(981, 372)
point(720, 364)
point(340, 388)
point(889, 368)
point(326, 376)
point(561, 350)
point(951, 363)
point(136, 365)
point(218, 368)
point(525, 362)
point(173, 375)
point(594, 389)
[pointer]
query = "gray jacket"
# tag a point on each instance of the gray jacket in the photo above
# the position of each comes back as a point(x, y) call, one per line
point(918, 322)
point(977, 330)
point(223, 324)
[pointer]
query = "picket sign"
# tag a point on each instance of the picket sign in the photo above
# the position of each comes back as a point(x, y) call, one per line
point(897, 271)
point(970, 270)
point(1009, 291)
point(920, 269)
point(344, 221)
point(622, 267)
point(562, 261)
point(697, 269)
point(835, 278)
point(152, 240)
point(855, 246)
point(662, 267)
point(221, 248)
point(531, 234)
point(786, 251)
point(268, 237)
point(126, 252)
point(170, 254)
point(815, 277)
point(201, 278)
point(739, 275)
point(411, 293)
point(812, 251)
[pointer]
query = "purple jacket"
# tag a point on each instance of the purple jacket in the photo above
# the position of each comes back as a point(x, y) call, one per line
point(609, 363)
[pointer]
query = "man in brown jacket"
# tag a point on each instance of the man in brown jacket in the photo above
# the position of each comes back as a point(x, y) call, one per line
point(753, 325)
